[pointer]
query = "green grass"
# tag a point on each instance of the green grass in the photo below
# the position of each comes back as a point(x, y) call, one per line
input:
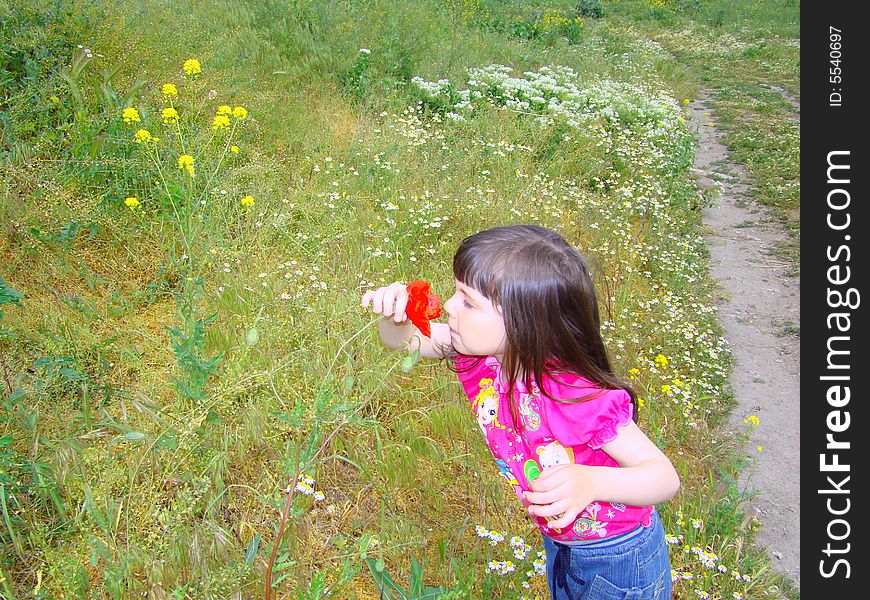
point(139, 461)
point(747, 55)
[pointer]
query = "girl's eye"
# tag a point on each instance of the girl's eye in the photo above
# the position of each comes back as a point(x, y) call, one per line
point(466, 304)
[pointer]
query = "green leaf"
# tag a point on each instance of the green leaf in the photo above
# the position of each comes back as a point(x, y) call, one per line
point(17, 395)
point(8, 295)
point(168, 440)
point(252, 337)
point(134, 436)
point(415, 582)
point(387, 588)
point(251, 553)
point(409, 361)
point(71, 374)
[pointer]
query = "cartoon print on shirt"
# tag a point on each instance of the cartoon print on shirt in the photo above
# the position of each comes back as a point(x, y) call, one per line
point(531, 469)
point(506, 471)
point(554, 454)
point(531, 418)
point(588, 523)
point(615, 505)
point(486, 406)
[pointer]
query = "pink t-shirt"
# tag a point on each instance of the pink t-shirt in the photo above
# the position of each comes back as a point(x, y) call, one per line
point(553, 433)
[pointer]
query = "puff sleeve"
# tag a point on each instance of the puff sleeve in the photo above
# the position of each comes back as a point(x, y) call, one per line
point(592, 421)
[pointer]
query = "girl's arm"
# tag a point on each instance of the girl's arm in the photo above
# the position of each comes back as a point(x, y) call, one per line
point(395, 332)
point(645, 477)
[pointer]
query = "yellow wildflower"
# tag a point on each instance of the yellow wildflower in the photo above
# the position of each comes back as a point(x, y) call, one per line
point(686, 100)
point(221, 122)
point(54, 99)
point(759, 448)
point(130, 115)
point(131, 203)
point(640, 403)
point(169, 90)
point(192, 67)
point(223, 109)
point(634, 372)
point(752, 420)
point(234, 149)
point(185, 161)
point(170, 115)
point(666, 389)
point(661, 361)
point(678, 382)
point(247, 201)
point(240, 113)
point(143, 136)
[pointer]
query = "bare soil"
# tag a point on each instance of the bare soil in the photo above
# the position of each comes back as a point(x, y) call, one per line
point(760, 315)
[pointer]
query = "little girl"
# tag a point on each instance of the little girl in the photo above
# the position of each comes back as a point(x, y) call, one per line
point(523, 335)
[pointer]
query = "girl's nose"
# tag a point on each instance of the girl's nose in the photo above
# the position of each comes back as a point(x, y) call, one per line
point(448, 304)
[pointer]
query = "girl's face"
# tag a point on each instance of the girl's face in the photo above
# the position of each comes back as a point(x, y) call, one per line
point(476, 326)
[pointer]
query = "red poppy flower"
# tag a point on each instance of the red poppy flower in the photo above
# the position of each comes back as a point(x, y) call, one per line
point(423, 305)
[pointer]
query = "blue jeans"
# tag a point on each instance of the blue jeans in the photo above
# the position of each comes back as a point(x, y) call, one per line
point(637, 568)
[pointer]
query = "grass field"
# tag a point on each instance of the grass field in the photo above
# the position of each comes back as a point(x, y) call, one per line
point(193, 404)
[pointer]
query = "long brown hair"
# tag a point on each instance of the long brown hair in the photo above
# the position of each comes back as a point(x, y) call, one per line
point(544, 291)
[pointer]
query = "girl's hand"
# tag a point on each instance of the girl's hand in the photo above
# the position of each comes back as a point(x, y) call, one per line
point(563, 490)
point(389, 301)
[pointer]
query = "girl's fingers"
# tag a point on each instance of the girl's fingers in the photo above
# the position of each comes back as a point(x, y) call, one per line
point(564, 520)
point(378, 301)
point(550, 479)
point(550, 510)
point(389, 301)
point(401, 304)
point(542, 497)
point(395, 299)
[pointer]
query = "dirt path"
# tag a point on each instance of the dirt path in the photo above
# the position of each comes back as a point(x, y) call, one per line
point(761, 316)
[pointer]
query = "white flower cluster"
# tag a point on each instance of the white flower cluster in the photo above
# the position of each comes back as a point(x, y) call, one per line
point(305, 486)
point(540, 563)
point(494, 537)
point(740, 577)
point(708, 559)
point(502, 567)
point(558, 92)
point(521, 551)
point(436, 88)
